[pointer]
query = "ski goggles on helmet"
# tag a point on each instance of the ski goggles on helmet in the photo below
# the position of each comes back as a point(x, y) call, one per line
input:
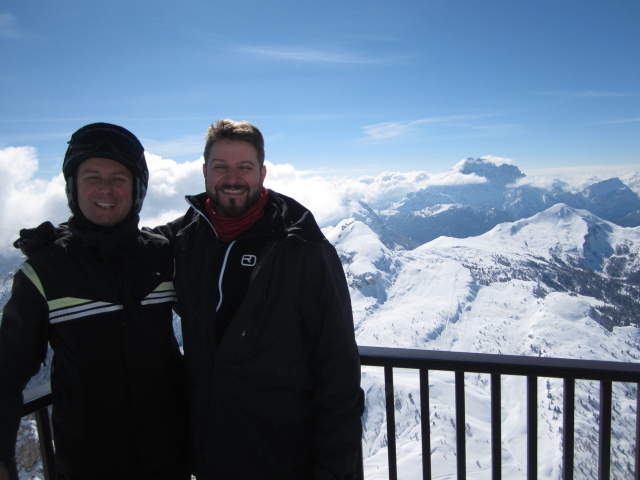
point(107, 141)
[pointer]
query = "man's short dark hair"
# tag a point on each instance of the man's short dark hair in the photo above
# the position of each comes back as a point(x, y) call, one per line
point(233, 130)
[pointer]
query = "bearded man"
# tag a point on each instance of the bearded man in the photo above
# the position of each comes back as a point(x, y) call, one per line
point(273, 370)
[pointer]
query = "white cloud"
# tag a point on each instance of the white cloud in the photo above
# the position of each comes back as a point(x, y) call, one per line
point(381, 131)
point(386, 130)
point(388, 186)
point(456, 178)
point(328, 197)
point(590, 94)
point(306, 55)
point(189, 145)
point(8, 26)
point(497, 160)
point(578, 177)
point(620, 121)
point(27, 201)
point(543, 182)
point(169, 182)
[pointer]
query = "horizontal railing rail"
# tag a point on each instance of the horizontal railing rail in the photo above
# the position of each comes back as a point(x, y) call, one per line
point(38, 400)
point(531, 368)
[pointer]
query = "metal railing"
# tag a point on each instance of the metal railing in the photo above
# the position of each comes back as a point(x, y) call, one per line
point(37, 401)
point(424, 361)
point(496, 366)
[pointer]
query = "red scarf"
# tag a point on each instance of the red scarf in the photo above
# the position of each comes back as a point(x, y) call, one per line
point(228, 228)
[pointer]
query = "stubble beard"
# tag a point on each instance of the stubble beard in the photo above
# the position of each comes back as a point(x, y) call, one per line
point(234, 208)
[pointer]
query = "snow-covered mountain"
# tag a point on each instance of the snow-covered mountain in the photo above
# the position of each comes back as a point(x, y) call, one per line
point(7, 267)
point(561, 250)
point(561, 283)
point(493, 194)
point(487, 262)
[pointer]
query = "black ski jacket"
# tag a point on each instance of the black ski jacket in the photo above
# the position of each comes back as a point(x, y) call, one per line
point(279, 397)
point(117, 377)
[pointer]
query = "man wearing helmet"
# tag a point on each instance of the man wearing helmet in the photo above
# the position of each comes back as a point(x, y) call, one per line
point(100, 293)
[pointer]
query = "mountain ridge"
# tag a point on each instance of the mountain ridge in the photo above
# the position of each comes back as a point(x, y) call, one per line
point(560, 283)
point(495, 194)
point(526, 288)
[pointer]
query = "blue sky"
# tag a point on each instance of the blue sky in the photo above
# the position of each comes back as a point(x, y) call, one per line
point(357, 87)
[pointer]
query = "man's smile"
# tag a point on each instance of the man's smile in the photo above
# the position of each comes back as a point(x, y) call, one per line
point(233, 190)
point(105, 205)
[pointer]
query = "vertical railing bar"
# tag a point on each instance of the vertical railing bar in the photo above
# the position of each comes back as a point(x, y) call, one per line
point(637, 461)
point(45, 438)
point(425, 424)
point(604, 454)
point(496, 426)
point(568, 428)
point(460, 426)
point(360, 464)
point(532, 427)
point(391, 422)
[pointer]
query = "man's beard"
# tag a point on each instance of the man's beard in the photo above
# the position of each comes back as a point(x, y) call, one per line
point(234, 209)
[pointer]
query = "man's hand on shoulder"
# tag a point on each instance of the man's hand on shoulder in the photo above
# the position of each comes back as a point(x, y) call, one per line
point(33, 239)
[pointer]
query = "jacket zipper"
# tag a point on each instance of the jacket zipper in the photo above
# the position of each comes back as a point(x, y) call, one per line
point(222, 272)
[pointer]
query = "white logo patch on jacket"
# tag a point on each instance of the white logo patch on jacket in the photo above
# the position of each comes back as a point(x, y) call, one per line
point(248, 260)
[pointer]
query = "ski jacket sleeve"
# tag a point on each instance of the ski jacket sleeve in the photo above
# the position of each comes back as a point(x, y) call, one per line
point(336, 364)
point(170, 230)
point(164, 230)
point(23, 348)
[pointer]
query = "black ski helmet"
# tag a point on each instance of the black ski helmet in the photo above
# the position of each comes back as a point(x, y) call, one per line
point(106, 140)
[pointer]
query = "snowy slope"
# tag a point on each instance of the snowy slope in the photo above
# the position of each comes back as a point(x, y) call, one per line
point(7, 268)
point(485, 294)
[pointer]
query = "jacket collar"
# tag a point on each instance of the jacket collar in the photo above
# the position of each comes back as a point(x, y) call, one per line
point(283, 216)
